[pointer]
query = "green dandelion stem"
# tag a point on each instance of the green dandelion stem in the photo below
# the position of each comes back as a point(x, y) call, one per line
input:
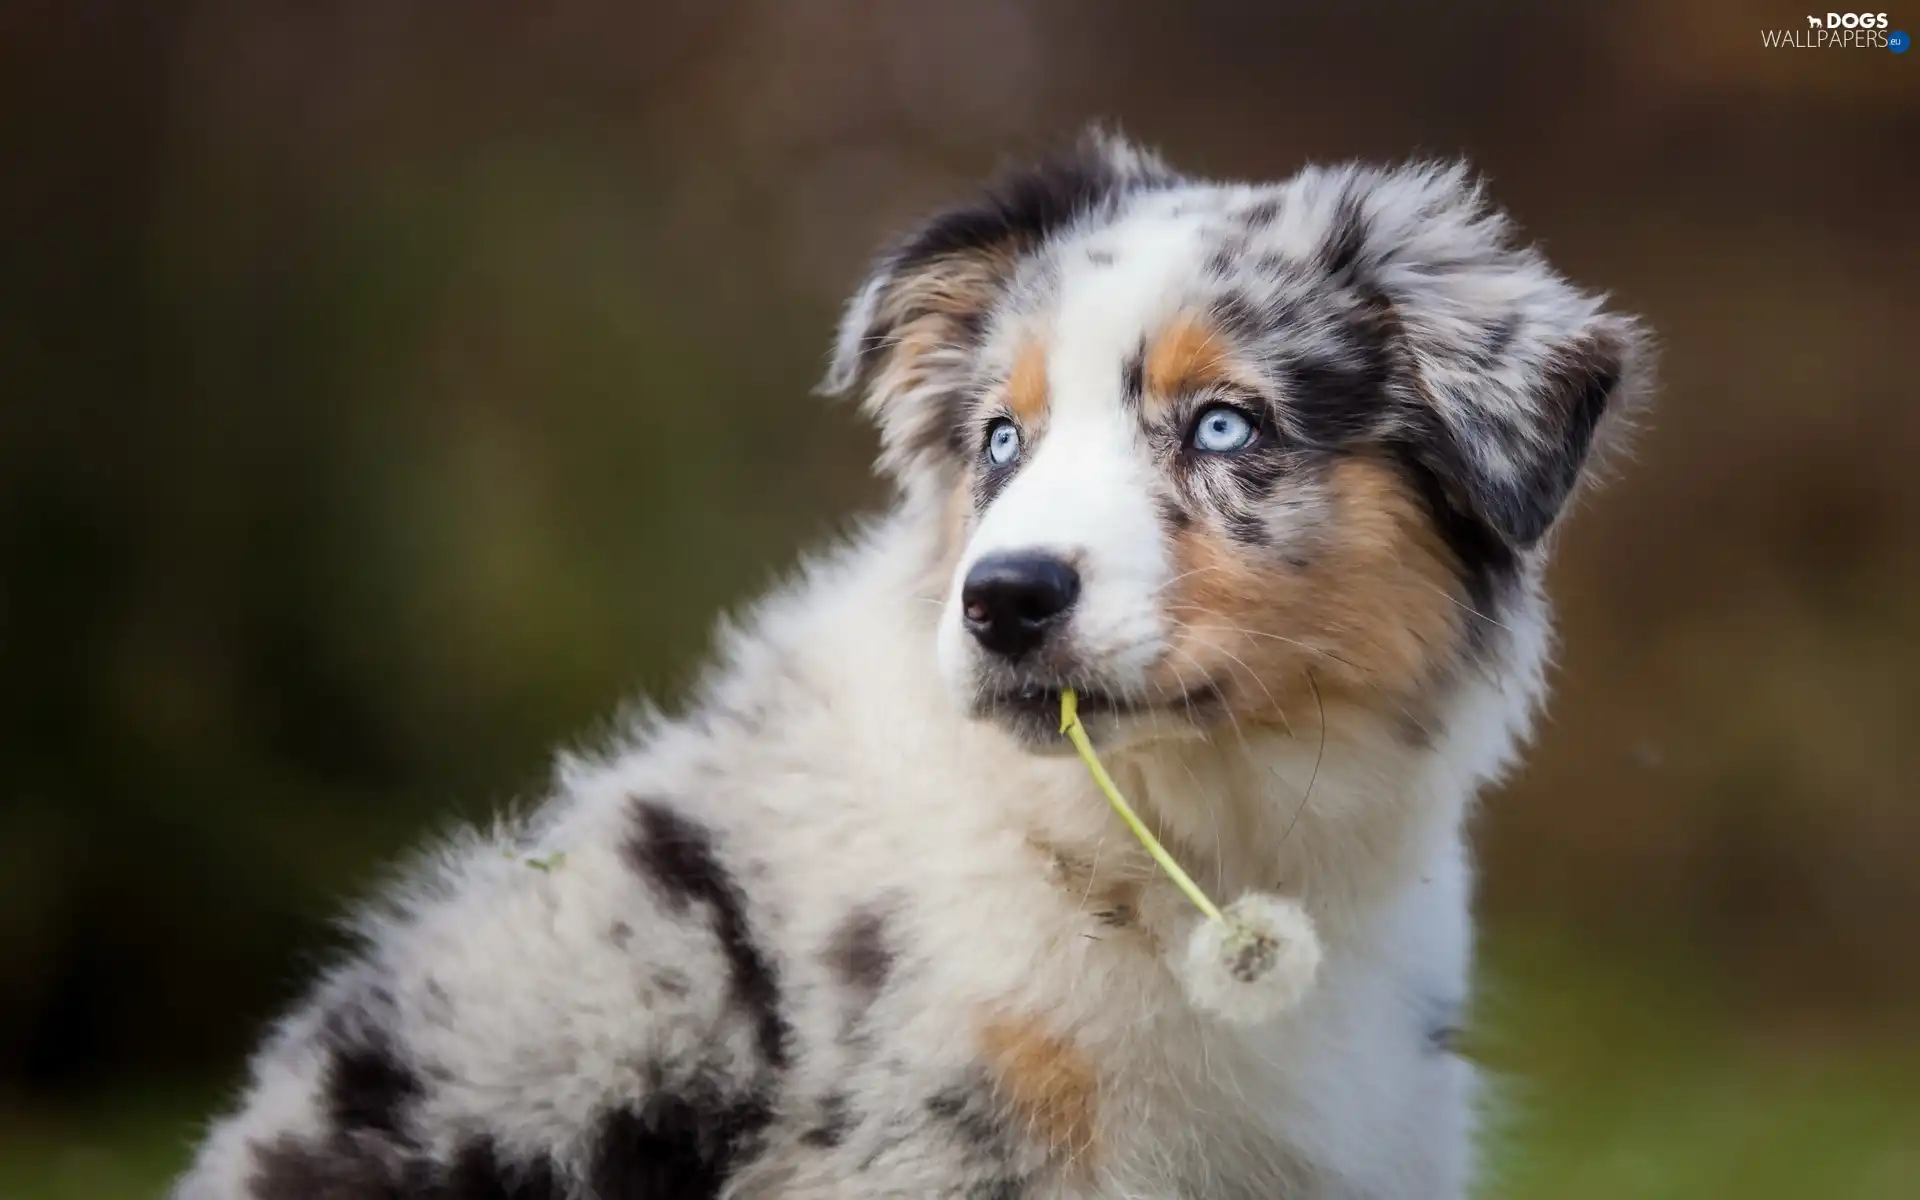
point(1077, 734)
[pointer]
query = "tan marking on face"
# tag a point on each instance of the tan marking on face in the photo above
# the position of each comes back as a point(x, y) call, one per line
point(1046, 1080)
point(929, 311)
point(1027, 385)
point(1187, 355)
point(1375, 613)
point(908, 366)
point(950, 287)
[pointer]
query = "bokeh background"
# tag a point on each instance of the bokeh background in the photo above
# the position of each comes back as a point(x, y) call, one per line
point(388, 389)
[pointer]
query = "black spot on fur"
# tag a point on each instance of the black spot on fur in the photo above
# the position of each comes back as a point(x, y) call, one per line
point(1133, 376)
point(1443, 1039)
point(1100, 258)
point(1487, 564)
point(836, 1120)
point(1577, 391)
point(1335, 400)
point(1346, 238)
point(1245, 527)
point(982, 1133)
point(480, 1173)
point(1173, 514)
point(1245, 319)
point(1495, 342)
point(287, 1169)
point(366, 1087)
point(1221, 262)
point(968, 1110)
point(678, 855)
point(1028, 205)
point(1443, 1027)
point(1261, 215)
point(858, 953)
point(673, 1149)
point(359, 1167)
point(1338, 394)
point(620, 934)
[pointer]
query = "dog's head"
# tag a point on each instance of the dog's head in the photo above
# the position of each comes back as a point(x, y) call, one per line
point(1213, 452)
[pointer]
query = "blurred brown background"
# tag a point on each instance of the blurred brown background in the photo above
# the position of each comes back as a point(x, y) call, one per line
point(388, 389)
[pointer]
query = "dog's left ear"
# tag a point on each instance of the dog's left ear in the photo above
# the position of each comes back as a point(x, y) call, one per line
point(907, 338)
point(1518, 435)
point(1517, 375)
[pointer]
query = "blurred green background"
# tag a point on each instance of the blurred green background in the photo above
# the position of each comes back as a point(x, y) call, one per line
point(390, 389)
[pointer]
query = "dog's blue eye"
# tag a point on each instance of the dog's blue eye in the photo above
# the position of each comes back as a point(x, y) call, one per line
point(1222, 430)
point(1003, 442)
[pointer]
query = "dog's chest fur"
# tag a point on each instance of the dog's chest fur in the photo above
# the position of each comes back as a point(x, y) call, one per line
point(824, 938)
point(905, 959)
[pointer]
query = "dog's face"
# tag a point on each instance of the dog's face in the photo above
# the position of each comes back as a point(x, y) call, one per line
point(1214, 453)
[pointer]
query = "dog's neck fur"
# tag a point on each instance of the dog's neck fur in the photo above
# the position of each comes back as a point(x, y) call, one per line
point(1335, 810)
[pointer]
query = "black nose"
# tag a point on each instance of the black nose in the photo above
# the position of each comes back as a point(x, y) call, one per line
point(1013, 601)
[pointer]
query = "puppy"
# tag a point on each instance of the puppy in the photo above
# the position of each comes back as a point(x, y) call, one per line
point(1266, 473)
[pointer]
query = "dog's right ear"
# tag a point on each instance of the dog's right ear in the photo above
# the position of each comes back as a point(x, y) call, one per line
point(908, 336)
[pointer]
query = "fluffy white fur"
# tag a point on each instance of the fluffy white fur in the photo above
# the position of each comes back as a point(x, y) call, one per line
point(870, 783)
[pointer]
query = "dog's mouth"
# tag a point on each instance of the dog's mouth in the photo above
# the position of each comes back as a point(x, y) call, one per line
point(1032, 708)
